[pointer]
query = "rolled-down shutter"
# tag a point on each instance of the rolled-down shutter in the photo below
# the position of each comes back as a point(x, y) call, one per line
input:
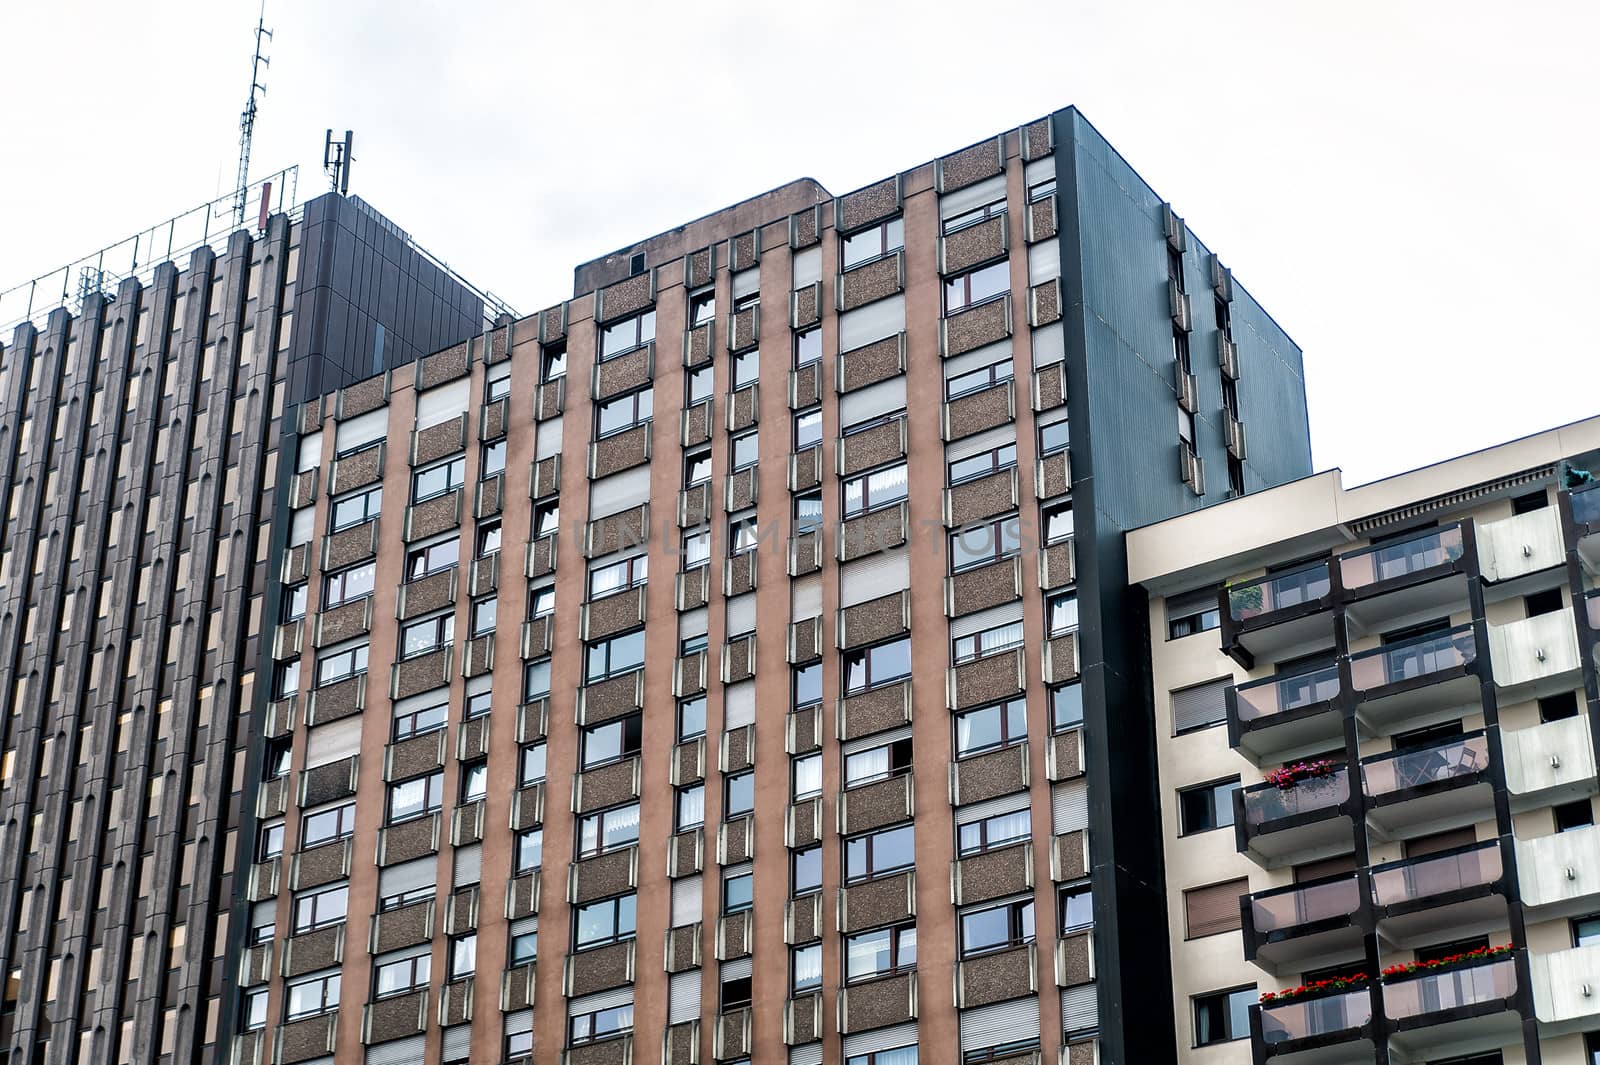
point(805, 598)
point(807, 267)
point(739, 705)
point(874, 401)
point(973, 196)
point(469, 865)
point(1044, 261)
point(978, 443)
point(440, 404)
point(994, 617)
point(408, 876)
point(875, 321)
point(741, 614)
point(1080, 1010)
point(362, 429)
point(1069, 806)
point(1005, 804)
point(692, 623)
point(1004, 1022)
point(1199, 706)
point(603, 1000)
point(683, 997)
point(547, 439)
point(746, 282)
point(877, 739)
point(331, 742)
point(977, 359)
point(614, 494)
point(737, 969)
point(686, 901)
point(457, 1042)
point(1049, 345)
point(901, 1035)
point(874, 577)
point(524, 926)
point(518, 1022)
point(810, 1054)
point(1213, 908)
point(400, 1052)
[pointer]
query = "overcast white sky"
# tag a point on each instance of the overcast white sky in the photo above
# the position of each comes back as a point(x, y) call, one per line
point(1407, 185)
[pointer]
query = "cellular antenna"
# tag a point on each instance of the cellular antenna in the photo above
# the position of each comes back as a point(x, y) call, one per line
point(336, 159)
point(247, 118)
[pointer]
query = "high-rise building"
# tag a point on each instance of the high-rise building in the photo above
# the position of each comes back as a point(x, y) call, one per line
point(139, 468)
point(1375, 714)
point(343, 659)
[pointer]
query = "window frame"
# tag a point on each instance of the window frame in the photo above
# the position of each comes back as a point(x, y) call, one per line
point(972, 217)
point(868, 841)
point(602, 841)
point(344, 824)
point(1021, 916)
point(455, 476)
point(618, 905)
point(432, 797)
point(998, 461)
point(898, 934)
point(866, 657)
point(963, 282)
point(315, 900)
point(632, 339)
point(639, 407)
point(369, 510)
point(863, 483)
point(1009, 712)
point(891, 237)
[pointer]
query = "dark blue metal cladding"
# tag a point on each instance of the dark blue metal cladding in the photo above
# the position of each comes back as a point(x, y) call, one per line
point(1124, 411)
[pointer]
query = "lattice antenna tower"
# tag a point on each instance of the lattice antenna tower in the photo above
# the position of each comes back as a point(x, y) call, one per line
point(247, 118)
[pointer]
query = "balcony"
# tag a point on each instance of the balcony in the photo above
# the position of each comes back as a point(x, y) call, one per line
point(1560, 874)
point(1418, 900)
point(1563, 986)
point(1303, 926)
point(1590, 611)
point(1458, 1011)
point(1586, 522)
point(1271, 616)
point(1535, 656)
point(1322, 1030)
point(1272, 718)
point(1306, 820)
point(1416, 682)
point(1549, 763)
point(1400, 581)
point(1414, 792)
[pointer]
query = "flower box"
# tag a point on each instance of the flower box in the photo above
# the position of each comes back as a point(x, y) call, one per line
point(1290, 775)
point(1453, 961)
point(1351, 982)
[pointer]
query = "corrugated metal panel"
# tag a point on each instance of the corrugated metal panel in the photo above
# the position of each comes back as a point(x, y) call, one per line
point(737, 969)
point(877, 739)
point(741, 614)
point(1080, 1009)
point(1004, 1022)
point(805, 598)
point(739, 705)
point(520, 1021)
point(1049, 345)
point(874, 401)
point(1069, 806)
point(963, 200)
point(686, 901)
point(980, 442)
point(978, 358)
point(469, 865)
point(611, 495)
point(457, 1042)
point(1044, 261)
point(746, 282)
point(901, 1035)
point(333, 741)
point(807, 266)
point(443, 403)
point(1005, 804)
point(810, 1054)
point(1005, 614)
point(1201, 705)
point(683, 997)
point(400, 1052)
point(547, 439)
point(692, 623)
point(362, 429)
point(603, 1000)
point(874, 577)
point(875, 321)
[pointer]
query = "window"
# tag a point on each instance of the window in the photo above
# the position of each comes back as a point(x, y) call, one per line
point(897, 1056)
point(1213, 909)
point(531, 765)
point(355, 509)
point(427, 636)
point(1057, 523)
point(996, 928)
point(974, 216)
point(601, 1024)
point(1547, 601)
point(613, 657)
point(541, 602)
point(977, 380)
point(738, 794)
point(807, 428)
point(880, 488)
point(808, 511)
point(325, 826)
point(746, 368)
point(1074, 908)
point(483, 612)
point(805, 968)
point(1192, 612)
point(1042, 191)
point(269, 841)
point(399, 977)
point(737, 893)
point(877, 763)
point(734, 993)
point(983, 542)
point(880, 952)
point(977, 286)
point(692, 645)
point(878, 853)
point(437, 480)
point(805, 871)
point(696, 548)
point(702, 307)
point(983, 464)
point(285, 680)
point(1066, 707)
point(989, 728)
point(745, 450)
point(617, 576)
point(1529, 502)
point(518, 1044)
point(553, 362)
point(254, 1013)
point(692, 718)
point(463, 956)
point(494, 460)
point(606, 921)
point(691, 809)
point(432, 558)
point(1558, 707)
point(530, 851)
point(623, 413)
point(277, 758)
point(986, 642)
point(696, 468)
point(524, 948)
point(1585, 930)
point(873, 243)
point(488, 538)
point(700, 384)
point(320, 909)
point(992, 833)
point(608, 830)
point(415, 797)
point(474, 781)
point(1206, 806)
point(1570, 815)
point(624, 336)
point(338, 665)
point(294, 603)
point(404, 898)
point(497, 387)
point(419, 722)
point(805, 776)
point(1222, 1016)
point(546, 518)
point(872, 667)
point(479, 704)
point(320, 994)
point(808, 346)
point(807, 685)
point(1054, 437)
point(1063, 611)
point(611, 741)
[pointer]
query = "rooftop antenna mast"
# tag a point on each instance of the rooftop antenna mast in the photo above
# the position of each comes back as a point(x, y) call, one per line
point(336, 159)
point(247, 118)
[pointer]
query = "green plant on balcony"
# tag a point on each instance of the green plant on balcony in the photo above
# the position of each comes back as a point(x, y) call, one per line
point(1244, 600)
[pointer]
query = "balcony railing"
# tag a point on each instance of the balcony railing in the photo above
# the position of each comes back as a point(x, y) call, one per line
point(1402, 883)
point(1591, 607)
point(1473, 985)
point(1585, 506)
point(1401, 558)
point(1399, 771)
point(1266, 595)
point(1268, 802)
point(1275, 695)
point(1311, 1018)
point(1421, 657)
point(1287, 909)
